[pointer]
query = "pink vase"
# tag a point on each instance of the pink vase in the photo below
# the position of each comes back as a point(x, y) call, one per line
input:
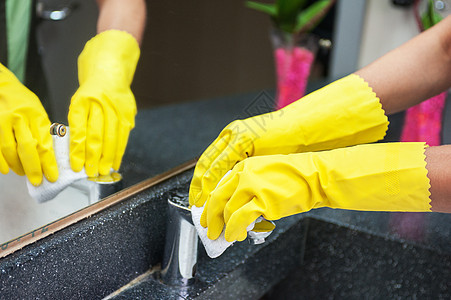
point(423, 122)
point(294, 56)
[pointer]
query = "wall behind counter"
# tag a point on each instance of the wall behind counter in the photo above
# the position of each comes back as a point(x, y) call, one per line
point(202, 49)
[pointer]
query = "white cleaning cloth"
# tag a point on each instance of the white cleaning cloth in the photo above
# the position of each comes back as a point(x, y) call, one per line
point(214, 248)
point(49, 190)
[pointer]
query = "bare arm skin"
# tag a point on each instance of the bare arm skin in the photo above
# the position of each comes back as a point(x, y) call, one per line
point(414, 72)
point(127, 15)
point(438, 161)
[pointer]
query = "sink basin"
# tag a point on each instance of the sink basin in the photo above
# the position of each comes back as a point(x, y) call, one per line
point(115, 252)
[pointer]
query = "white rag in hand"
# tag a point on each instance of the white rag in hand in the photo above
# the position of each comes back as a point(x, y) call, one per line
point(215, 248)
point(49, 190)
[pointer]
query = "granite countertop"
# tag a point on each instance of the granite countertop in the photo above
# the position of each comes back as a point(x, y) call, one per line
point(180, 132)
point(168, 136)
point(346, 254)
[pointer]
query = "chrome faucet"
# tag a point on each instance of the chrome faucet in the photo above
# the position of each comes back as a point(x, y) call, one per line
point(180, 253)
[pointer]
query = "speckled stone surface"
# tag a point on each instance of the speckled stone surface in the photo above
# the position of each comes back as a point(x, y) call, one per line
point(168, 136)
point(426, 230)
point(94, 257)
point(348, 254)
point(243, 272)
point(343, 263)
point(99, 255)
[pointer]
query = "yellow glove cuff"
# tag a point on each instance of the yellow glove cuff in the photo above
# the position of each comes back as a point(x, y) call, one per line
point(379, 177)
point(102, 111)
point(344, 113)
point(110, 48)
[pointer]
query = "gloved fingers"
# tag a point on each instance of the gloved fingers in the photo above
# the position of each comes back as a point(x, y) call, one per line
point(4, 169)
point(211, 198)
point(264, 226)
point(226, 191)
point(213, 217)
point(40, 130)
point(49, 165)
point(236, 227)
point(122, 140)
point(9, 150)
point(94, 139)
point(203, 217)
point(231, 154)
point(78, 123)
point(216, 203)
point(238, 196)
point(28, 153)
point(110, 142)
point(202, 166)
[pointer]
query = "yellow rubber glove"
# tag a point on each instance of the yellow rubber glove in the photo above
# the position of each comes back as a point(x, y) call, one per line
point(377, 177)
point(344, 113)
point(25, 141)
point(102, 111)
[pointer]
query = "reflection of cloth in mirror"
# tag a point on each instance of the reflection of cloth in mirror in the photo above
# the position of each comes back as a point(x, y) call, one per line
point(48, 190)
point(20, 213)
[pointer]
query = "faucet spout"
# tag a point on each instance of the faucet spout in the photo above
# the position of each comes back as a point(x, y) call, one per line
point(180, 252)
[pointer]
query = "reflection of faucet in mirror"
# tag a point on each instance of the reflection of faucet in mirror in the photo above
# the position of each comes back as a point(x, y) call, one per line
point(44, 74)
point(92, 189)
point(162, 138)
point(96, 187)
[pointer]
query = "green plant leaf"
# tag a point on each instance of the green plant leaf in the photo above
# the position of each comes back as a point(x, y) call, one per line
point(430, 17)
point(267, 8)
point(312, 15)
point(287, 13)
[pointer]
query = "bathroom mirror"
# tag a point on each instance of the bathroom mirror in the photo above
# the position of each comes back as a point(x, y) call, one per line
point(192, 53)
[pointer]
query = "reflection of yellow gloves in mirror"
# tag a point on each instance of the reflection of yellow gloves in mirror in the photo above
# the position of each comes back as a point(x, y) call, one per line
point(344, 113)
point(102, 111)
point(26, 143)
point(378, 177)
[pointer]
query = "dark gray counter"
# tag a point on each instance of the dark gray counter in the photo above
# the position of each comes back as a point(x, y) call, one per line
point(178, 133)
point(345, 254)
point(410, 239)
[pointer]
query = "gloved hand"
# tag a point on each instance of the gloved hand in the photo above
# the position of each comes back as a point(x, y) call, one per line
point(102, 111)
point(344, 113)
point(377, 177)
point(25, 142)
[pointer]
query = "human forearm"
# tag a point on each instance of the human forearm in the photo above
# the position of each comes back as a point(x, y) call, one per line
point(102, 111)
point(438, 161)
point(372, 177)
point(413, 72)
point(123, 15)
